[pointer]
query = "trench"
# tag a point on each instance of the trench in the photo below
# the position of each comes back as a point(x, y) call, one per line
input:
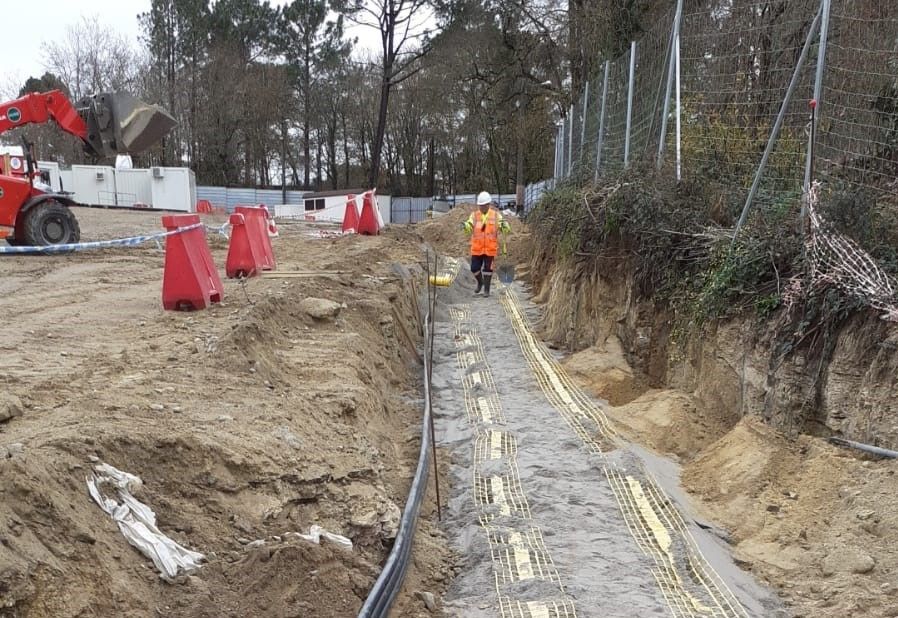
point(553, 513)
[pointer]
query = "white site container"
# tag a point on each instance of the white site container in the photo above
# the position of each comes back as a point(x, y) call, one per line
point(66, 181)
point(133, 188)
point(289, 211)
point(335, 207)
point(53, 169)
point(334, 210)
point(173, 188)
point(385, 206)
point(93, 185)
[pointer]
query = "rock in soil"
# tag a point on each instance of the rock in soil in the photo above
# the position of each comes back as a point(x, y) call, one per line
point(320, 308)
point(428, 599)
point(848, 560)
point(10, 407)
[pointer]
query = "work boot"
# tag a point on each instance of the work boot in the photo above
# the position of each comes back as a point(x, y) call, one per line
point(479, 283)
point(487, 279)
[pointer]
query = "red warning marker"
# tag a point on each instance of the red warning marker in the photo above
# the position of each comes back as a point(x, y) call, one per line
point(351, 216)
point(370, 221)
point(189, 280)
point(242, 260)
point(257, 226)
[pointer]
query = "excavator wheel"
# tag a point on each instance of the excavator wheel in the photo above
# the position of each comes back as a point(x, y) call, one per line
point(50, 223)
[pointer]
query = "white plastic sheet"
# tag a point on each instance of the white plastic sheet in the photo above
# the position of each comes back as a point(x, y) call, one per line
point(137, 521)
point(316, 533)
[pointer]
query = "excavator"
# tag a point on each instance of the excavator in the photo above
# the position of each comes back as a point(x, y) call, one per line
point(107, 124)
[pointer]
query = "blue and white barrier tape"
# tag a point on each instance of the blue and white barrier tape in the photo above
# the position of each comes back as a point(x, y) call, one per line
point(222, 231)
point(104, 244)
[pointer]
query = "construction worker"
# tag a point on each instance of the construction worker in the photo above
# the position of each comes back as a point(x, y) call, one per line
point(484, 226)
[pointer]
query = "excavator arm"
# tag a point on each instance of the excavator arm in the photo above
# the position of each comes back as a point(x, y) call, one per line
point(107, 124)
point(39, 108)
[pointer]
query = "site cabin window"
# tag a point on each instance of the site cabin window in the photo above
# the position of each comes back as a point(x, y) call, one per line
point(315, 204)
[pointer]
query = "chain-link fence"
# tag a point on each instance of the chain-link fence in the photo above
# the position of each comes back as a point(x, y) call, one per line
point(735, 80)
point(758, 99)
point(615, 122)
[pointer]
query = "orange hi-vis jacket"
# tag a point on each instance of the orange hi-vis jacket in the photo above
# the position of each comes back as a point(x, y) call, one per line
point(484, 230)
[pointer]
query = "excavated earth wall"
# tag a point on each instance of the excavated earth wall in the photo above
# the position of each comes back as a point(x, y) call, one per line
point(748, 424)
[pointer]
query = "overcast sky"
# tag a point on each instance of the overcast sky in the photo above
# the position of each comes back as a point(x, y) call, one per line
point(25, 29)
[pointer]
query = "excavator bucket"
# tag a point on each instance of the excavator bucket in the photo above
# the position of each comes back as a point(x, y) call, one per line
point(119, 123)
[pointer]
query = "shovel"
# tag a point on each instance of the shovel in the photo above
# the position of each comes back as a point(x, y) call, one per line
point(506, 271)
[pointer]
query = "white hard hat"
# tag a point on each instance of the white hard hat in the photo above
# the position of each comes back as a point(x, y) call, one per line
point(484, 198)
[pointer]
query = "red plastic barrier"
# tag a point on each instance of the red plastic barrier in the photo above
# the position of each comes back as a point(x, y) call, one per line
point(242, 260)
point(204, 207)
point(351, 216)
point(190, 280)
point(369, 222)
point(257, 226)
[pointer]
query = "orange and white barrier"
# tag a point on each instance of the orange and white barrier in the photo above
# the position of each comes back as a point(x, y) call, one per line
point(370, 222)
point(351, 215)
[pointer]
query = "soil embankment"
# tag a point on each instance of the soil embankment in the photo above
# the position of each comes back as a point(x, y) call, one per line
point(816, 521)
point(246, 421)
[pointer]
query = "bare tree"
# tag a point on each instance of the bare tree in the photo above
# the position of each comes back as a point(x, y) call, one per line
point(92, 58)
point(405, 32)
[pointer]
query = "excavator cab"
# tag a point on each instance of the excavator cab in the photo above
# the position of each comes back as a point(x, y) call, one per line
point(108, 124)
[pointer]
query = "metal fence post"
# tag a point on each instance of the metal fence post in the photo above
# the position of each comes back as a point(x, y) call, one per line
point(570, 141)
point(563, 129)
point(583, 122)
point(555, 155)
point(601, 137)
point(630, 103)
point(672, 58)
point(560, 136)
point(679, 110)
point(818, 94)
point(777, 125)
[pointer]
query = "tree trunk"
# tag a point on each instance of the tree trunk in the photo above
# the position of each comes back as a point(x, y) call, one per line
point(284, 162)
point(318, 170)
point(345, 148)
point(377, 146)
point(431, 170)
point(306, 151)
point(307, 113)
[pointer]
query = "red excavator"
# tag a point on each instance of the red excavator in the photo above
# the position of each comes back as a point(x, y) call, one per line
point(107, 124)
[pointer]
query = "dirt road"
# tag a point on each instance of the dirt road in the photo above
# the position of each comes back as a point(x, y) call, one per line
point(245, 421)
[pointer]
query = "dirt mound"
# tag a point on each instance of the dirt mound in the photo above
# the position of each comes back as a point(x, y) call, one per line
point(446, 235)
point(818, 523)
point(605, 372)
point(668, 420)
point(246, 421)
point(813, 519)
point(445, 232)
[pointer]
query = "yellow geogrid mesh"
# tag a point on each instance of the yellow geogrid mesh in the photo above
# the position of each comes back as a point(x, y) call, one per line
point(656, 526)
point(493, 444)
point(517, 555)
point(556, 608)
